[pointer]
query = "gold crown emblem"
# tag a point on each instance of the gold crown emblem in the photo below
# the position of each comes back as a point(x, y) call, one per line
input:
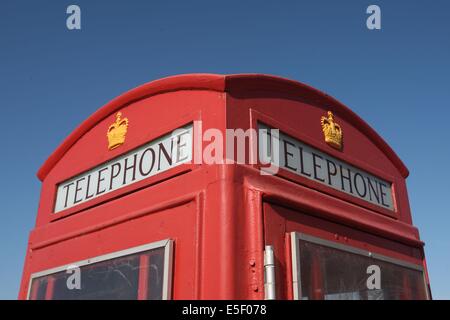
point(332, 131)
point(117, 131)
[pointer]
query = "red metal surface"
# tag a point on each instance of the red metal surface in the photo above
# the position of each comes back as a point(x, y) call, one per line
point(216, 214)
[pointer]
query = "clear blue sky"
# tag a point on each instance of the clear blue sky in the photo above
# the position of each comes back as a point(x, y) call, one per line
point(397, 79)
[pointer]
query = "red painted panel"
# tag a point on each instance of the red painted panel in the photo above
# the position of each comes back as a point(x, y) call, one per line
point(280, 222)
point(177, 223)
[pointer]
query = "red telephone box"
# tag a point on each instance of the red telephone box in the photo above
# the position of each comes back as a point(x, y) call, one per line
point(144, 201)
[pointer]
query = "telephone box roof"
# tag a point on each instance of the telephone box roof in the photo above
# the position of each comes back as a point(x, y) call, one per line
point(234, 84)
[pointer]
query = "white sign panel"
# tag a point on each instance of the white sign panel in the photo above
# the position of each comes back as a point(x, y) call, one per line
point(148, 160)
point(308, 162)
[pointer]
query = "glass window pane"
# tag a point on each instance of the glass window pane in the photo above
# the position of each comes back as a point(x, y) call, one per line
point(329, 273)
point(38, 289)
point(121, 278)
point(155, 279)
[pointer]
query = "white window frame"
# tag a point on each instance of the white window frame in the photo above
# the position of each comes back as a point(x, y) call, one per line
point(167, 244)
point(295, 259)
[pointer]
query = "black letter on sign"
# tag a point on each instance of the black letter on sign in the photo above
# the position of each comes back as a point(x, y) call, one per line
point(286, 153)
point(126, 168)
point(166, 154)
point(67, 192)
point(141, 169)
point(113, 173)
point(374, 190)
point(316, 165)
point(363, 194)
point(179, 146)
point(88, 196)
point(329, 162)
point(348, 178)
point(75, 200)
point(100, 179)
point(302, 169)
point(383, 194)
